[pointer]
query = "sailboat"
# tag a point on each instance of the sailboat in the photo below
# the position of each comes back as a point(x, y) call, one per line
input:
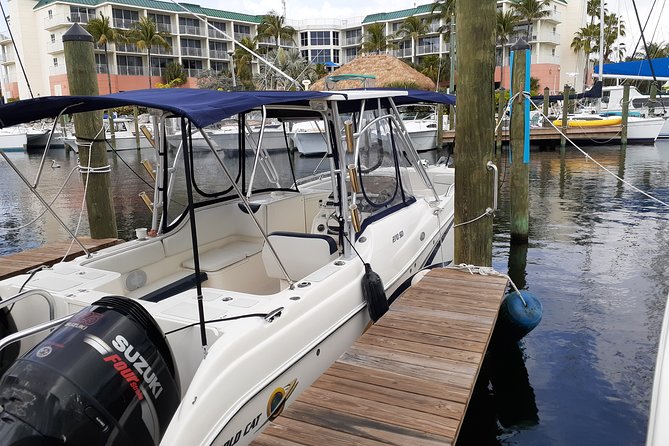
point(250, 283)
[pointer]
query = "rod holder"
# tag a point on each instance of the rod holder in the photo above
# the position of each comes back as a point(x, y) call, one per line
point(149, 169)
point(355, 217)
point(353, 178)
point(147, 200)
point(348, 129)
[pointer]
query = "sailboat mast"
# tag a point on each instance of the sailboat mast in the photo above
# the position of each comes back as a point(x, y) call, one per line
point(601, 39)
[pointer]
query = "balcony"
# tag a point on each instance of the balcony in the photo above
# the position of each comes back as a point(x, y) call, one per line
point(81, 18)
point(550, 37)
point(157, 71)
point(128, 48)
point(542, 58)
point(216, 33)
point(191, 30)
point(128, 70)
point(427, 49)
point(554, 16)
point(7, 58)
point(166, 28)
point(433, 27)
point(157, 50)
point(403, 52)
point(5, 38)
point(240, 36)
point(193, 72)
point(218, 54)
point(54, 46)
point(125, 23)
point(188, 51)
point(353, 40)
point(101, 68)
point(60, 69)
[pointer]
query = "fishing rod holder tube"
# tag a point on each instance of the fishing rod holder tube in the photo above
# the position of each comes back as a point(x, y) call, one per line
point(353, 178)
point(348, 129)
point(493, 167)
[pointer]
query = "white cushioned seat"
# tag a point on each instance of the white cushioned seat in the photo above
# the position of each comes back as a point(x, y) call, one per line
point(218, 258)
point(301, 254)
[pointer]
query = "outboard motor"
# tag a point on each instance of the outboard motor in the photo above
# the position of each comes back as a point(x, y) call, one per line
point(105, 377)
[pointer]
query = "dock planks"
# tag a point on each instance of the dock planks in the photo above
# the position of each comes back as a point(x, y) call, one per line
point(49, 254)
point(409, 378)
point(595, 135)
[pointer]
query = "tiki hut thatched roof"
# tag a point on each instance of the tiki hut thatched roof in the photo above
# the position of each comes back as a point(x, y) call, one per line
point(388, 70)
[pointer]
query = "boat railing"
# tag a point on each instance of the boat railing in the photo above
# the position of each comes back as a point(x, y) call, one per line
point(10, 339)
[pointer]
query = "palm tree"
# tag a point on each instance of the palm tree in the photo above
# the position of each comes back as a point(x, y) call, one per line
point(145, 34)
point(376, 40)
point(413, 27)
point(444, 11)
point(585, 39)
point(506, 24)
point(655, 49)
point(614, 28)
point(273, 25)
point(531, 10)
point(243, 59)
point(291, 62)
point(103, 33)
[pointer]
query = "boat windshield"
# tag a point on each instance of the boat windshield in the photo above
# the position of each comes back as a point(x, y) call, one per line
point(274, 170)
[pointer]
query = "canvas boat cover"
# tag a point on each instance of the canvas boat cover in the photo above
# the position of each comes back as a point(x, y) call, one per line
point(202, 107)
point(637, 69)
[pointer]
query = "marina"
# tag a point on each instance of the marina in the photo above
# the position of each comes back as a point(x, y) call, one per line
point(346, 253)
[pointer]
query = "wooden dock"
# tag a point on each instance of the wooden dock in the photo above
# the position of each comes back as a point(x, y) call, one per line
point(409, 378)
point(48, 254)
point(594, 135)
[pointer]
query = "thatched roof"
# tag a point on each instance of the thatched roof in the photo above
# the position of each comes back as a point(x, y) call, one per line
point(387, 69)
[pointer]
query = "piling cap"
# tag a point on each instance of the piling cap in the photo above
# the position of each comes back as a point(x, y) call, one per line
point(520, 44)
point(77, 33)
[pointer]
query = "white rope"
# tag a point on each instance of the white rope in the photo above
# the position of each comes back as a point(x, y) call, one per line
point(508, 105)
point(486, 271)
point(88, 169)
point(598, 163)
point(488, 211)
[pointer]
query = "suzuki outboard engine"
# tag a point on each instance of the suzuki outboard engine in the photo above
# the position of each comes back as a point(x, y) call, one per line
point(105, 377)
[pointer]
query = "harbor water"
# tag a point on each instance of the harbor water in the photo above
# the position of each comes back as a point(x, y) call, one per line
point(598, 258)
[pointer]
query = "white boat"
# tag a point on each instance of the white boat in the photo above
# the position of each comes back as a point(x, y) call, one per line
point(226, 137)
point(640, 130)
point(262, 272)
point(13, 138)
point(309, 138)
point(658, 430)
point(612, 99)
point(124, 137)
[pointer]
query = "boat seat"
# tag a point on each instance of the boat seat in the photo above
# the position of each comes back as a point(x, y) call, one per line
point(300, 253)
point(218, 258)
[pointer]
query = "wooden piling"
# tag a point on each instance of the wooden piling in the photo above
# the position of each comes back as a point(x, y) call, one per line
point(135, 116)
point(474, 131)
point(82, 79)
point(651, 102)
point(565, 111)
point(546, 104)
point(520, 172)
point(626, 108)
point(501, 102)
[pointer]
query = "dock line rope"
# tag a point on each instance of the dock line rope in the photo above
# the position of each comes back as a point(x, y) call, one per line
point(646, 194)
point(486, 271)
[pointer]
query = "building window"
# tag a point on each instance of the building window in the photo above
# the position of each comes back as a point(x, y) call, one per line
point(304, 39)
point(320, 38)
point(100, 63)
point(53, 38)
point(81, 14)
point(353, 37)
point(217, 30)
point(50, 13)
point(192, 67)
point(335, 37)
point(218, 66)
point(124, 18)
point(305, 54)
point(242, 29)
point(320, 56)
point(158, 65)
point(163, 22)
point(130, 65)
point(335, 56)
point(55, 61)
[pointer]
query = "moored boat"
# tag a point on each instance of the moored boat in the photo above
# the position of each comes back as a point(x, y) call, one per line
point(245, 291)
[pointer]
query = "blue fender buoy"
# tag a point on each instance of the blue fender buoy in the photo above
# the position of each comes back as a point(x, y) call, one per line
point(519, 314)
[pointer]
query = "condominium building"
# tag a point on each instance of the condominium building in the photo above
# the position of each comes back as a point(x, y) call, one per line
point(204, 38)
